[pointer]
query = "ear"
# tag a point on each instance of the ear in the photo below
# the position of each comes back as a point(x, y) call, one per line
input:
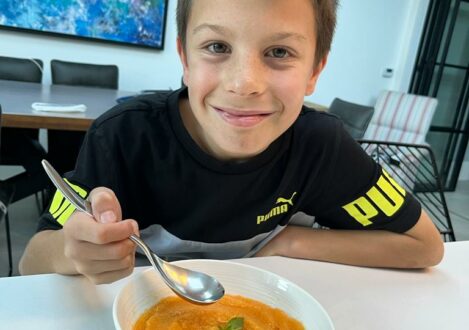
point(311, 85)
point(183, 58)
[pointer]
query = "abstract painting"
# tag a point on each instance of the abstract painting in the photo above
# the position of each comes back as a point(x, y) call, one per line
point(132, 22)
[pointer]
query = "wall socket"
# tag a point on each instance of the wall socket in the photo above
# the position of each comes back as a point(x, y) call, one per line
point(388, 72)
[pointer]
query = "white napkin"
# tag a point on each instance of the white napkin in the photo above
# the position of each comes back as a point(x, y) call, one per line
point(58, 107)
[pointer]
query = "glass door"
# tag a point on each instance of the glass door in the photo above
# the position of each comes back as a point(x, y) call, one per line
point(442, 71)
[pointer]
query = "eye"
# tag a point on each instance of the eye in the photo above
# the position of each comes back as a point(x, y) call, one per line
point(217, 48)
point(278, 53)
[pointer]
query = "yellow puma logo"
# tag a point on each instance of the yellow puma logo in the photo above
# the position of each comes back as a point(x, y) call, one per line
point(284, 200)
point(278, 209)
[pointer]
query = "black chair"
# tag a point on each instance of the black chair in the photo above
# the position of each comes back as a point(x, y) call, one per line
point(83, 74)
point(5, 198)
point(65, 145)
point(413, 166)
point(21, 146)
point(355, 117)
point(21, 69)
point(6, 194)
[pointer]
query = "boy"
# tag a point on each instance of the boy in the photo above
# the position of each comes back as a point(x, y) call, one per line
point(218, 169)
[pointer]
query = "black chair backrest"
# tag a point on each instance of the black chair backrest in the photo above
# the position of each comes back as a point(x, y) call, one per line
point(355, 117)
point(21, 69)
point(414, 168)
point(0, 131)
point(83, 74)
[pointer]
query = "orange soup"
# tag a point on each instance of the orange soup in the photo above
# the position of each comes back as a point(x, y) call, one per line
point(174, 313)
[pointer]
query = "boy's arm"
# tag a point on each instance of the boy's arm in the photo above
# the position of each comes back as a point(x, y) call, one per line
point(419, 247)
point(45, 254)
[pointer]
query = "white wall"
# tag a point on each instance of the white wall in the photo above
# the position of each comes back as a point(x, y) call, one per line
point(371, 35)
point(138, 68)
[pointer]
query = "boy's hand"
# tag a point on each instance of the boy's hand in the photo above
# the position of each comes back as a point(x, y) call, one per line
point(100, 248)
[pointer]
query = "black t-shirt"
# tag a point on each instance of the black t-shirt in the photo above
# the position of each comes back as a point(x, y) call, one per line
point(189, 204)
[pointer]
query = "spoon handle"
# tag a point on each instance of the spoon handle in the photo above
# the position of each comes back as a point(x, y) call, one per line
point(67, 191)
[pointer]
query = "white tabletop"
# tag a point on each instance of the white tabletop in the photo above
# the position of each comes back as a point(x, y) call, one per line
point(354, 297)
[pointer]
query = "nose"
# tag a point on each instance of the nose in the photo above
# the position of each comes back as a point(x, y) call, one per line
point(245, 75)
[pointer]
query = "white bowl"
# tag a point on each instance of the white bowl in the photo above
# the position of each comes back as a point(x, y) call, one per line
point(146, 288)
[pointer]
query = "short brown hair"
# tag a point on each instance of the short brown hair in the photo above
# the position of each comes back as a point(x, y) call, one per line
point(325, 12)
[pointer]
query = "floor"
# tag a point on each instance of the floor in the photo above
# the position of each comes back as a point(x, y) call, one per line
point(24, 215)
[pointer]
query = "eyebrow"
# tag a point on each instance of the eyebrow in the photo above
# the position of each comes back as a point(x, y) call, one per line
point(287, 35)
point(215, 28)
point(224, 31)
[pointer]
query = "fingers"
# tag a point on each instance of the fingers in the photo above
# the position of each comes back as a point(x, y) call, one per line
point(99, 247)
point(105, 256)
point(85, 251)
point(106, 207)
point(95, 268)
point(109, 277)
point(83, 228)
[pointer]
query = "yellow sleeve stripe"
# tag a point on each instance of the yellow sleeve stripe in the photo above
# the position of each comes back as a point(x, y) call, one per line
point(62, 219)
point(60, 208)
point(56, 202)
point(64, 204)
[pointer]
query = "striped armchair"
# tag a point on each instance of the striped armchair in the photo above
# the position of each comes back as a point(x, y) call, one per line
point(401, 117)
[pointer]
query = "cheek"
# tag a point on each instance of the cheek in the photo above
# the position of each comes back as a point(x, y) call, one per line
point(289, 88)
point(202, 76)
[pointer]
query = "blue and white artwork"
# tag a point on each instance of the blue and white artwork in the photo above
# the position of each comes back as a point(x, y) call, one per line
point(135, 22)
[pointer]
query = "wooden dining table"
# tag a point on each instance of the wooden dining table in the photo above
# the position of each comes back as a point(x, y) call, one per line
point(356, 298)
point(16, 99)
point(65, 129)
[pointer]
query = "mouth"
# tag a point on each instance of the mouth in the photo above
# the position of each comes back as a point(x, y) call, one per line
point(242, 118)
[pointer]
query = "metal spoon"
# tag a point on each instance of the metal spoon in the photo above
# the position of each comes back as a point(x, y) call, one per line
point(192, 285)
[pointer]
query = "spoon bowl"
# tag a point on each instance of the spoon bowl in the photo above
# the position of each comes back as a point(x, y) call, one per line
point(191, 285)
point(194, 286)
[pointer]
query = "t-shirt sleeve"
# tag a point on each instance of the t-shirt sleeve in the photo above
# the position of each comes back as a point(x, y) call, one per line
point(358, 193)
point(47, 222)
point(92, 170)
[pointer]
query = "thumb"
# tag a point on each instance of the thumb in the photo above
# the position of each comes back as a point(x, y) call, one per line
point(106, 208)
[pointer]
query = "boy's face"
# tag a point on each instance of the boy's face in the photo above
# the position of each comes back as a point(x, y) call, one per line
point(248, 65)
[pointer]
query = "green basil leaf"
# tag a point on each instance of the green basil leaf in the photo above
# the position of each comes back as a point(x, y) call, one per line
point(236, 323)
